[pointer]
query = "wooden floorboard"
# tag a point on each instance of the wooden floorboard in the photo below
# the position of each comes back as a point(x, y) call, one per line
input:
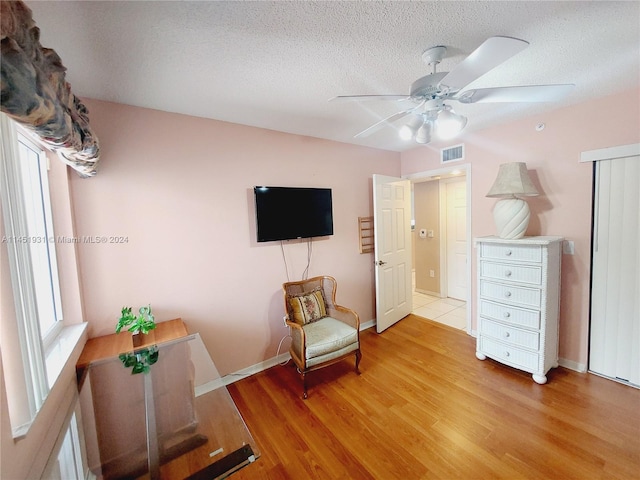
point(425, 408)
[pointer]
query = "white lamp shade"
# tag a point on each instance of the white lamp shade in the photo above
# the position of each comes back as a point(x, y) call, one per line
point(513, 180)
point(423, 135)
point(408, 131)
point(449, 124)
point(405, 132)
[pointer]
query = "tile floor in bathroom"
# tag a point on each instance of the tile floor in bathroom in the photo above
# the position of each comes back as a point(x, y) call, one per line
point(449, 311)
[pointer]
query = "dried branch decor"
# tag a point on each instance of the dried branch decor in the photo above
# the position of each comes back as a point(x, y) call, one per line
point(36, 94)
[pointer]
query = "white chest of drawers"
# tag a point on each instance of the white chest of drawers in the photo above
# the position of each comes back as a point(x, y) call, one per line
point(519, 302)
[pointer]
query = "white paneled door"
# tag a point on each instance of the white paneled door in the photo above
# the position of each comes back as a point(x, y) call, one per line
point(392, 238)
point(456, 199)
point(615, 296)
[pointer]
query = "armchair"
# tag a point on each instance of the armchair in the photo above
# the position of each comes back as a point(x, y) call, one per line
point(322, 332)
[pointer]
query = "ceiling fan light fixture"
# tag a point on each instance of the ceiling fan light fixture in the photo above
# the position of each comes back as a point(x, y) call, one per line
point(423, 135)
point(430, 92)
point(408, 131)
point(449, 124)
point(405, 132)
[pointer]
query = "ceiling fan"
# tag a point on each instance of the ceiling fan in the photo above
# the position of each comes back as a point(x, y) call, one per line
point(430, 112)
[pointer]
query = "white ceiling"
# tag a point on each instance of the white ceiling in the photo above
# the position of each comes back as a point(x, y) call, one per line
point(274, 64)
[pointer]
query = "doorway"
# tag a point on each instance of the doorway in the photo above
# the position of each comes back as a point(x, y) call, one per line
point(442, 245)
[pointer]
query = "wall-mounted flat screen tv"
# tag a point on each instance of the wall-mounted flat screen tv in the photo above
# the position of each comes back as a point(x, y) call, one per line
point(285, 213)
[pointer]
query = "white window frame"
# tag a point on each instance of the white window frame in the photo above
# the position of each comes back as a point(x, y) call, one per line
point(68, 459)
point(43, 241)
point(17, 233)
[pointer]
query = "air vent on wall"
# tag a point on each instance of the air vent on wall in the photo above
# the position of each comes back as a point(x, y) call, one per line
point(452, 154)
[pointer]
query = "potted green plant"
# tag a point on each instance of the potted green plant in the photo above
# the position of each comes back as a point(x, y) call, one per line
point(138, 325)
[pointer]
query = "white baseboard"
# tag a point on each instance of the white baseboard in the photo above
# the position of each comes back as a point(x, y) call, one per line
point(240, 374)
point(257, 368)
point(571, 365)
point(369, 324)
point(428, 292)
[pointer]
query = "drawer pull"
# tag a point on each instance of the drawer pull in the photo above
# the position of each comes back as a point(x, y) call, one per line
point(507, 314)
point(507, 294)
point(507, 252)
point(506, 335)
point(506, 354)
point(507, 273)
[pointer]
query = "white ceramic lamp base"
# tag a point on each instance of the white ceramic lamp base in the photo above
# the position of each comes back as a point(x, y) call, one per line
point(512, 217)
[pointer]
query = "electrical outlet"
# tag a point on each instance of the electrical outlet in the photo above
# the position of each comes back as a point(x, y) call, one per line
point(432, 273)
point(568, 247)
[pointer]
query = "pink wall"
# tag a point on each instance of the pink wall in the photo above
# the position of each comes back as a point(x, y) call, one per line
point(179, 189)
point(564, 206)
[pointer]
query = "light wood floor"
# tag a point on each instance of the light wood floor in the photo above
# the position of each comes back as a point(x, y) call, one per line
point(425, 407)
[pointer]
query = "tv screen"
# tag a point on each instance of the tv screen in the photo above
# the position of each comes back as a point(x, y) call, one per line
point(284, 213)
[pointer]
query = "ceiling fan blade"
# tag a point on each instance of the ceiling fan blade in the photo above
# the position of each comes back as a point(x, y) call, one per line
point(358, 98)
point(377, 126)
point(490, 54)
point(527, 93)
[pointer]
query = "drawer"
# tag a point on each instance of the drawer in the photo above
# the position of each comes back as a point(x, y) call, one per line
point(511, 272)
point(510, 354)
point(507, 313)
point(510, 335)
point(530, 297)
point(519, 253)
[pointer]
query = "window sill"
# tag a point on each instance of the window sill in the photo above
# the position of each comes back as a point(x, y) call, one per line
point(69, 341)
point(62, 351)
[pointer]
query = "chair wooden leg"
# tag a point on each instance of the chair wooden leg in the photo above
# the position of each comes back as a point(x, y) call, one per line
point(358, 357)
point(304, 386)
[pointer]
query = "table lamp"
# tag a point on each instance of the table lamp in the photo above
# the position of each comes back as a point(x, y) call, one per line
point(511, 213)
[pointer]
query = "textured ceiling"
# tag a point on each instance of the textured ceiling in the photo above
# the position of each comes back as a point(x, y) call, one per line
point(275, 64)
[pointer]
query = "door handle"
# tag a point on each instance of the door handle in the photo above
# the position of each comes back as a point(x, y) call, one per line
point(380, 263)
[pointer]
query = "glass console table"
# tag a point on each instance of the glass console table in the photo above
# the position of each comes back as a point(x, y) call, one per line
point(159, 411)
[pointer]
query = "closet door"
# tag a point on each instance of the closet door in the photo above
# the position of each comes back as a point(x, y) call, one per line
point(615, 296)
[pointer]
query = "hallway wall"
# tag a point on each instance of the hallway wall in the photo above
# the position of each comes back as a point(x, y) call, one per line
point(427, 250)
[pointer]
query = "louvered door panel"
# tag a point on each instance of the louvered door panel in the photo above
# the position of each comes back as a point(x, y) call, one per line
point(615, 300)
